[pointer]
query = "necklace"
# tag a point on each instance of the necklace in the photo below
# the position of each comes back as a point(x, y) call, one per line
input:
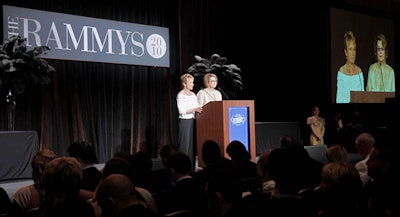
point(211, 93)
point(187, 92)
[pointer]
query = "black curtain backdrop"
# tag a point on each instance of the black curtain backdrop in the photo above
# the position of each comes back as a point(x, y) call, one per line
point(129, 108)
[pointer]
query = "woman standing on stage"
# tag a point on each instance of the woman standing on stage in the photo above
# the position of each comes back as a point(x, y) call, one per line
point(317, 125)
point(209, 93)
point(187, 107)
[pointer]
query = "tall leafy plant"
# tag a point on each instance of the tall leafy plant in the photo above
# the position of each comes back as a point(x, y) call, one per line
point(229, 75)
point(20, 66)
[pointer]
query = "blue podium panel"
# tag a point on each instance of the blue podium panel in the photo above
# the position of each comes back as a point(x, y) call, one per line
point(17, 149)
point(239, 125)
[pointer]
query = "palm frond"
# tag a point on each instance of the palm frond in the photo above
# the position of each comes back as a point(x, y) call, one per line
point(19, 66)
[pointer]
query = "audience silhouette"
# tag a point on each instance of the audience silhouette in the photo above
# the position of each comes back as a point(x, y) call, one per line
point(163, 180)
point(86, 155)
point(248, 169)
point(285, 181)
point(29, 198)
point(186, 197)
point(120, 165)
point(340, 191)
point(61, 181)
point(364, 144)
point(213, 160)
point(117, 197)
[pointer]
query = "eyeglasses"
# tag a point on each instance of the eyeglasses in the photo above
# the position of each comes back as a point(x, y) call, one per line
point(213, 81)
point(380, 49)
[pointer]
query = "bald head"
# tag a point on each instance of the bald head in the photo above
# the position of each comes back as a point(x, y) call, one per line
point(116, 186)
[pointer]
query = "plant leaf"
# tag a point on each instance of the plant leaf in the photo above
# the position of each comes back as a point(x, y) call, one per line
point(19, 66)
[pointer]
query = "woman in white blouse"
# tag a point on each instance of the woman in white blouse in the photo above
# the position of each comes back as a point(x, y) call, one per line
point(187, 107)
point(209, 93)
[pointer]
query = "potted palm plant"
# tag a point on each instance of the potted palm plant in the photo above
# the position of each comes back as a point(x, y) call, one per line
point(229, 75)
point(20, 66)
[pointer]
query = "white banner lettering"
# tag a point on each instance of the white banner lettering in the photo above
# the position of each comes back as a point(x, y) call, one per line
point(80, 38)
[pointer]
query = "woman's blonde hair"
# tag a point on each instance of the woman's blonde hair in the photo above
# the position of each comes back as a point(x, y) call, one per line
point(185, 77)
point(62, 175)
point(38, 164)
point(348, 37)
point(337, 153)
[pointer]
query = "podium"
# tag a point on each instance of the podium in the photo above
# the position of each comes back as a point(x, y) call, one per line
point(225, 121)
point(370, 96)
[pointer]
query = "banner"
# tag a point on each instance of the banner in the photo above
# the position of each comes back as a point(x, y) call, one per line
point(72, 37)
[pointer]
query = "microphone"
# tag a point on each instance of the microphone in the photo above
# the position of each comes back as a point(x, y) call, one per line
point(224, 95)
point(383, 83)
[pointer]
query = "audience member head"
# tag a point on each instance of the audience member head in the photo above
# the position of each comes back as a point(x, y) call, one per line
point(286, 140)
point(84, 152)
point(383, 157)
point(224, 187)
point(379, 163)
point(342, 179)
point(166, 151)
point(141, 163)
point(179, 164)
point(39, 162)
point(62, 178)
point(211, 152)
point(336, 153)
point(118, 165)
point(340, 191)
point(301, 173)
point(289, 142)
point(237, 151)
point(364, 143)
point(286, 176)
point(114, 193)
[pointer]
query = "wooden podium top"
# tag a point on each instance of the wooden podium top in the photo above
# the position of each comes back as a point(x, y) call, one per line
point(370, 97)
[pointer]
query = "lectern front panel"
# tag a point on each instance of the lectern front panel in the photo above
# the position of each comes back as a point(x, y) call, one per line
point(239, 125)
